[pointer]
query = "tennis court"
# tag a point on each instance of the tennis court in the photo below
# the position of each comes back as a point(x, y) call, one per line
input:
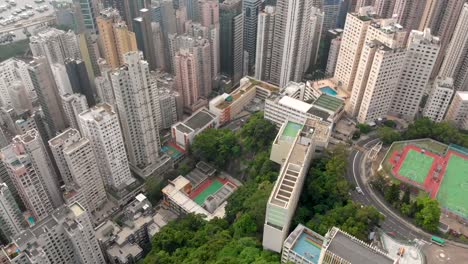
point(211, 189)
point(454, 187)
point(416, 166)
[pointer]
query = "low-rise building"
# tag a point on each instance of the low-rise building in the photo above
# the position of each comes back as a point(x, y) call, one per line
point(295, 164)
point(200, 192)
point(184, 132)
point(227, 106)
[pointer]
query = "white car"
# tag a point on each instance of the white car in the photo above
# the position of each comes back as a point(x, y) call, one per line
point(358, 189)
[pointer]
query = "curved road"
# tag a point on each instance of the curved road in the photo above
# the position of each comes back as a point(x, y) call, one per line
point(358, 174)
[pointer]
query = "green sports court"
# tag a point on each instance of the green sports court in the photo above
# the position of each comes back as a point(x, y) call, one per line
point(209, 190)
point(452, 192)
point(416, 166)
point(290, 131)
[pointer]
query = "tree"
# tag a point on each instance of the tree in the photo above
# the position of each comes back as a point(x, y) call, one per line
point(429, 215)
point(390, 123)
point(216, 145)
point(257, 133)
point(244, 226)
point(406, 196)
point(388, 135)
point(364, 128)
point(392, 194)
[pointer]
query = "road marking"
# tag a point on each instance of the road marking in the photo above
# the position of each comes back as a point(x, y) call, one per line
point(354, 170)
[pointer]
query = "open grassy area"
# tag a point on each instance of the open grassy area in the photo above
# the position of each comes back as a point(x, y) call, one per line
point(416, 166)
point(17, 48)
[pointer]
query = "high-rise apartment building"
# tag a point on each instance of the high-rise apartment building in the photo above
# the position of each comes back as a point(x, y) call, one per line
point(335, 45)
point(138, 106)
point(442, 24)
point(144, 37)
point(331, 10)
point(100, 124)
point(231, 39)
point(292, 45)
point(79, 168)
point(11, 219)
point(14, 70)
point(354, 35)
point(115, 37)
point(193, 72)
point(384, 8)
point(409, 13)
point(55, 44)
point(65, 236)
point(379, 70)
point(86, 12)
point(209, 17)
point(439, 99)
point(31, 171)
point(457, 112)
point(455, 64)
point(251, 9)
point(73, 105)
point(265, 35)
point(421, 54)
point(48, 95)
point(80, 81)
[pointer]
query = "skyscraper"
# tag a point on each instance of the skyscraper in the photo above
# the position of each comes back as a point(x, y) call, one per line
point(265, 35)
point(379, 70)
point(209, 17)
point(251, 9)
point(293, 47)
point(11, 219)
point(78, 166)
point(421, 53)
point(455, 64)
point(354, 35)
point(100, 124)
point(193, 72)
point(333, 55)
point(73, 105)
point(144, 37)
point(65, 236)
point(231, 39)
point(331, 9)
point(56, 45)
point(138, 107)
point(409, 13)
point(384, 8)
point(48, 95)
point(79, 80)
point(31, 171)
point(115, 37)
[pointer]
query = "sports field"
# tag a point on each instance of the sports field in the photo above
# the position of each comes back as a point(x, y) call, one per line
point(212, 188)
point(454, 187)
point(416, 166)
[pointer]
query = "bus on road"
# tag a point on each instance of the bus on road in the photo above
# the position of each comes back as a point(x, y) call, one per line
point(437, 240)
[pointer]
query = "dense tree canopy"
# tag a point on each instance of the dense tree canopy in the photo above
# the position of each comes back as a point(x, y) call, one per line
point(194, 240)
point(216, 145)
point(257, 132)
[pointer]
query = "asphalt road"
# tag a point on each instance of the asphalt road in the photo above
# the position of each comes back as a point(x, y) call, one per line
point(357, 174)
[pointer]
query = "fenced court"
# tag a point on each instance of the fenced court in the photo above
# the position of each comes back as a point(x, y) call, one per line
point(442, 174)
point(452, 193)
point(416, 165)
point(206, 189)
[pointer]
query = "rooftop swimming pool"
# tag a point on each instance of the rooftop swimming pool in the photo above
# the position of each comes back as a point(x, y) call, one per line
point(328, 90)
point(308, 248)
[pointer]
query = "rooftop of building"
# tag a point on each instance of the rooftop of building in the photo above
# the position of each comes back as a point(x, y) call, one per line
point(122, 253)
point(62, 137)
point(312, 130)
point(329, 102)
point(131, 228)
point(463, 95)
point(196, 121)
point(295, 104)
point(97, 112)
point(11, 250)
point(246, 84)
point(354, 250)
point(305, 243)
